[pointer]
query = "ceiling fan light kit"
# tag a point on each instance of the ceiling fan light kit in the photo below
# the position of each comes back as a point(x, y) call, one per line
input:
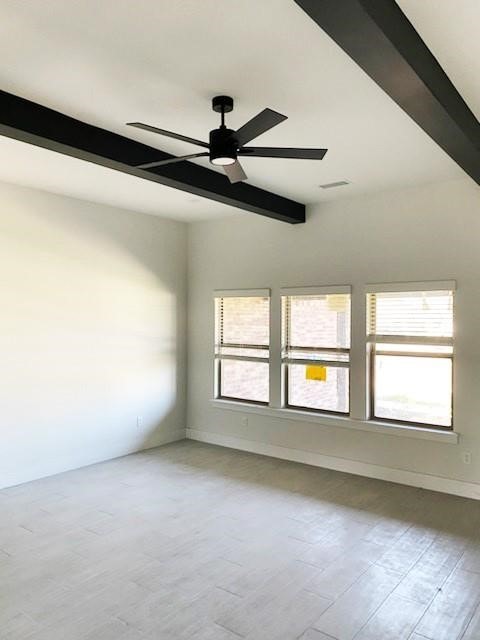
point(225, 145)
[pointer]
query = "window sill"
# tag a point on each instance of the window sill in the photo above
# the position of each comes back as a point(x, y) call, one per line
point(406, 431)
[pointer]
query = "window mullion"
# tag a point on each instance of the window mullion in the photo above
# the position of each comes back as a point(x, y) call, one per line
point(358, 357)
point(275, 350)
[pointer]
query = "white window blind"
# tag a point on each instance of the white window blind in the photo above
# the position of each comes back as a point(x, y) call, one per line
point(244, 321)
point(416, 314)
point(242, 337)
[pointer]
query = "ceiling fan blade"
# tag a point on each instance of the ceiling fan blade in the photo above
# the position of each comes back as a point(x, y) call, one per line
point(260, 123)
point(235, 172)
point(169, 134)
point(286, 152)
point(160, 163)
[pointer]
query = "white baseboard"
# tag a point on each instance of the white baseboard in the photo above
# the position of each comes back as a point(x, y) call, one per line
point(401, 476)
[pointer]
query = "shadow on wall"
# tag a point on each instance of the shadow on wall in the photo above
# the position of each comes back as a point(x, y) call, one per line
point(92, 333)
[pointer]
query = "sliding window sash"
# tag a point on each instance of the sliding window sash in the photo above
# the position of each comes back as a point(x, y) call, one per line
point(222, 348)
point(323, 356)
point(414, 346)
point(229, 356)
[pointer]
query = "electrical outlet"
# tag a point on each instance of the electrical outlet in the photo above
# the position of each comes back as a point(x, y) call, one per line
point(139, 422)
point(244, 421)
point(467, 457)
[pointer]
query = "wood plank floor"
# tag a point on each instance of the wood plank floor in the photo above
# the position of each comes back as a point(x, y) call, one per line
point(195, 541)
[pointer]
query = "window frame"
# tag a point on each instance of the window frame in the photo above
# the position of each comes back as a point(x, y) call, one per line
point(286, 293)
point(218, 358)
point(373, 341)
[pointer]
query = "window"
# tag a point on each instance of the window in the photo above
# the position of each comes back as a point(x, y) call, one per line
point(242, 338)
point(316, 349)
point(410, 336)
point(408, 360)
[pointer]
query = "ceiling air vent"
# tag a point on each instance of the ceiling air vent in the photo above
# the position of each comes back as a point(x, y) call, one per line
point(332, 185)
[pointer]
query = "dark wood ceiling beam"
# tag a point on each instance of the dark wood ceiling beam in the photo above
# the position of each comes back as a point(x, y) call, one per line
point(30, 122)
point(377, 35)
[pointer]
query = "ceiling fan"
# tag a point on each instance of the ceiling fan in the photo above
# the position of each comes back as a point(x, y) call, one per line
point(226, 145)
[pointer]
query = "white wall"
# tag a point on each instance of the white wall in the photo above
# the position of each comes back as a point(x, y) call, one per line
point(93, 312)
point(92, 332)
point(428, 233)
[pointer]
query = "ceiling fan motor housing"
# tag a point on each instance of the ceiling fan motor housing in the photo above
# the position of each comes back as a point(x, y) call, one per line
point(223, 145)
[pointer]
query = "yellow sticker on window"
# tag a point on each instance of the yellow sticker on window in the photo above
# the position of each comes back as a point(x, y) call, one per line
point(337, 302)
point(316, 372)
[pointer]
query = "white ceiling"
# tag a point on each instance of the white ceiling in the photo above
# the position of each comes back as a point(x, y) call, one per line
point(30, 166)
point(112, 61)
